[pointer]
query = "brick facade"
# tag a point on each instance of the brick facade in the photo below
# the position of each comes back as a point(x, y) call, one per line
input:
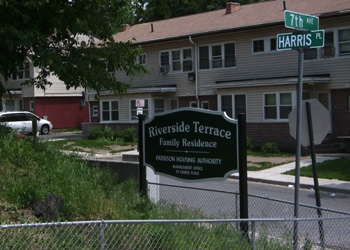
point(340, 112)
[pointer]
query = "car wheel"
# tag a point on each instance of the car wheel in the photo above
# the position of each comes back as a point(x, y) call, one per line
point(45, 129)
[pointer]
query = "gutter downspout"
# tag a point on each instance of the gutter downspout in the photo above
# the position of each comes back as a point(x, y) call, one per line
point(196, 67)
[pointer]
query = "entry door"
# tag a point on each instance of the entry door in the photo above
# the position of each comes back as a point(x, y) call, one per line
point(325, 99)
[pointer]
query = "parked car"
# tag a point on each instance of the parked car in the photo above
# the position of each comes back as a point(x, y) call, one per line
point(21, 121)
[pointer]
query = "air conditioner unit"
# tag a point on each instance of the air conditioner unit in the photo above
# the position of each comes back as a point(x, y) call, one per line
point(164, 69)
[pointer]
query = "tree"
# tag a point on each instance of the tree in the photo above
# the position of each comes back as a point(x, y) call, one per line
point(153, 10)
point(45, 33)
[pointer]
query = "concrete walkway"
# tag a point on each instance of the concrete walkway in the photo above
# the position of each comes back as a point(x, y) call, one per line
point(275, 176)
point(272, 175)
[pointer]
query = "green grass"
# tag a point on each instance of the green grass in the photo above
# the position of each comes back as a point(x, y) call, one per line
point(338, 169)
point(258, 166)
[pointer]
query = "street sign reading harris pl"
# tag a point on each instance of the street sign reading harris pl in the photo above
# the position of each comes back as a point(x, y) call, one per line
point(191, 144)
point(288, 41)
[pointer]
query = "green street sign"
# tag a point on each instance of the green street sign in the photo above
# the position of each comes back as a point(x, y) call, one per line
point(295, 20)
point(289, 41)
point(191, 144)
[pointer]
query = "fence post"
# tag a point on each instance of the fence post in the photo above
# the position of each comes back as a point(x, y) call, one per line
point(142, 168)
point(102, 235)
point(243, 182)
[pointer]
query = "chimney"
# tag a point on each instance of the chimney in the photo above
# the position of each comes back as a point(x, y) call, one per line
point(124, 27)
point(232, 7)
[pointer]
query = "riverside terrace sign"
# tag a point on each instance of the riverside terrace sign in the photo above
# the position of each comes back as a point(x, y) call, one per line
point(191, 144)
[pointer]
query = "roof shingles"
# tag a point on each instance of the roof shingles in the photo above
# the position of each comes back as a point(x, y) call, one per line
point(249, 15)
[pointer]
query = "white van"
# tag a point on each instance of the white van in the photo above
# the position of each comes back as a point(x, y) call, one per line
point(21, 121)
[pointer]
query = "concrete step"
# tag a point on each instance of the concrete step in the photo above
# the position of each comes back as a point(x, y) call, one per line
point(132, 156)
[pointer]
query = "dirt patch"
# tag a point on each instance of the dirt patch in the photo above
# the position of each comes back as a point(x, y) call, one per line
point(111, 149)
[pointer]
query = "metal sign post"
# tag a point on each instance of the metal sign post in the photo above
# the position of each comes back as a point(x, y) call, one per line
point(298, 146)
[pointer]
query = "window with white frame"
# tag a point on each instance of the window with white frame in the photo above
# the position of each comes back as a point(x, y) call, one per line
point(164, 58)
point(94, 111)
point(31, 105)
point(23, 72)
point(142, 59)
point(205, 105)
point(264, 45)
point(217, 56)
point(158, 105)
point(109, 111)
point(344, 41)
point(133, 109)
point(233, 104)
point(193, 104)
point(179, 60)
point(277, 106)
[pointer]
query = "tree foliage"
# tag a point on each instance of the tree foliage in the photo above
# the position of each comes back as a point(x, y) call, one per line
point(152, 10)
point(45, 33)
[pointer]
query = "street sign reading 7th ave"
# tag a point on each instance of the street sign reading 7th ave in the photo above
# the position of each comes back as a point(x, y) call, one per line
point(288, 41)
point(295, 20)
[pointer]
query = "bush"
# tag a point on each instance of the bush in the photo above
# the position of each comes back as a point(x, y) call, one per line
point(109, 134)
point(251, 144)
point(129, 135)
point(95, 133)
point(270, 148)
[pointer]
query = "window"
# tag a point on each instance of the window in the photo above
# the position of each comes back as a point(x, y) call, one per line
point(239, 101)
point(23, 72)
point(187, 60)
point(110, 68)
point(217, 56)
point(110, 111)
point(204, 57)
point(133, 109)
point(164, 58)
point(10, 105)
point(158, 105)
point(94, 111)
point(193, 104)
point(273, 44)
point(344, 41)
point(31, 105)
point(258, 46)
point(277, 106)
point(264, 45)
point(141, 59)
point(328, 51)
point(205, 105)
point(178, 60)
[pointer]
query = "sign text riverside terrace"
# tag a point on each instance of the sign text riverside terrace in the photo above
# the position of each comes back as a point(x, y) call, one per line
point(192, 144)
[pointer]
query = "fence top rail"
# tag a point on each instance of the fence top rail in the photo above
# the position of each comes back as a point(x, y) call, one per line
point(104, 222)
point(255, 196)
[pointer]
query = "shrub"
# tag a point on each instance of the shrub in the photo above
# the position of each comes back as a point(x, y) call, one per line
point(270, 148)
point(108, 133)
point(251, 144)
point(129, 134)
point(95, 133)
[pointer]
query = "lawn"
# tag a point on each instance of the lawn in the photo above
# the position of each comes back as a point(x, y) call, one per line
point(338, 169)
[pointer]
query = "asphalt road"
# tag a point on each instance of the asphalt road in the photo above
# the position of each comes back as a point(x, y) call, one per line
point(59, 135)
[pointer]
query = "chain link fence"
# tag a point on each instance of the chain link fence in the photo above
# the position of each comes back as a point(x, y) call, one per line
point(176, 234)
point(271, 226)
